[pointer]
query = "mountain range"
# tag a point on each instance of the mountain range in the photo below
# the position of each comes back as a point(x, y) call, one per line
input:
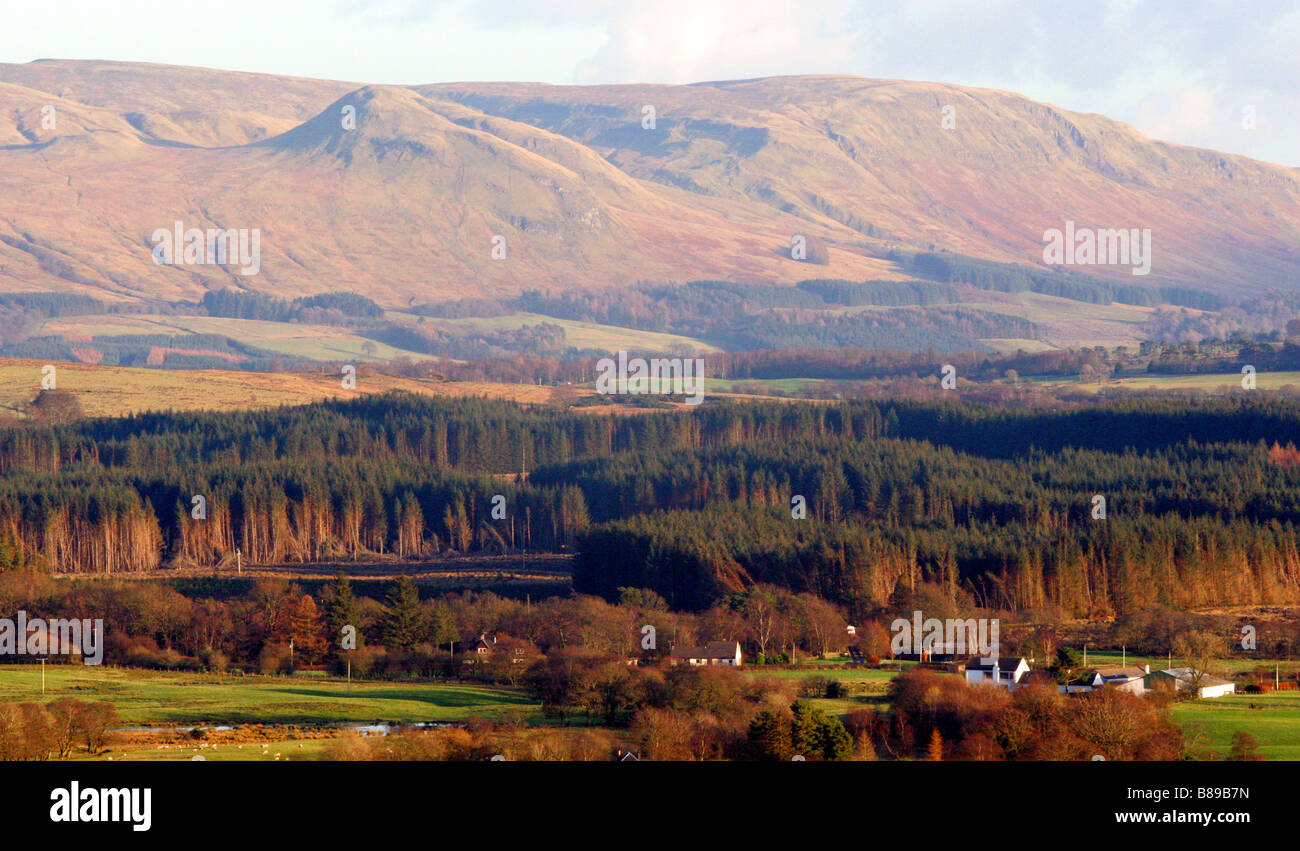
point(403, 193)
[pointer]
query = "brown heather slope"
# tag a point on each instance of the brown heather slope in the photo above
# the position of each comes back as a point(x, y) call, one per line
point(180, 105)
point(873, 156)
point(404, 207)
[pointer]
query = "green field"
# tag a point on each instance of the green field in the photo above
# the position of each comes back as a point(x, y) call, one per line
point(847, 675)
point(782, 386)
point(157, 697)
point(152, 697)
point(1274, 722)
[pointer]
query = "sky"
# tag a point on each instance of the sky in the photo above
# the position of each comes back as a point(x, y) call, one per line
point(1210, 73)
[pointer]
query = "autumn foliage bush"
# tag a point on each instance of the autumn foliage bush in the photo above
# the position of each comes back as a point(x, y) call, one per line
point(1030, 723)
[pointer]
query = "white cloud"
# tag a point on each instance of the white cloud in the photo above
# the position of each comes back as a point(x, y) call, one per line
point(1180, 114)
point(684, 41)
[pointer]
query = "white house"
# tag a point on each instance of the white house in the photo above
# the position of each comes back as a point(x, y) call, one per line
point(1185, 679)
point(713, 653)
point(1131, 679)
point(1004, 671)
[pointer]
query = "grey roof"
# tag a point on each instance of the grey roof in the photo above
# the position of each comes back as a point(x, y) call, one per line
point(1187, 674)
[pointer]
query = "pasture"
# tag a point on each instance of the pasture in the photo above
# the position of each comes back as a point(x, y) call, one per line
point(144, 697)
point(1273, 719)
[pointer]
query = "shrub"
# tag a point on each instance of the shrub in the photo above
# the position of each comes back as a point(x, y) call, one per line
point(814, 686)
point(274, 659)
point(214, 660)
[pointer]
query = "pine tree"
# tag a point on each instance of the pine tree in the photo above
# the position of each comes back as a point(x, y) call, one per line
point(340, 609)
point(404, 624)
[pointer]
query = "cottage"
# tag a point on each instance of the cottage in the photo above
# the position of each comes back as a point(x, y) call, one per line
point(1189, 680)
point(481, 650)
point(713, 653)
point(1004, 671)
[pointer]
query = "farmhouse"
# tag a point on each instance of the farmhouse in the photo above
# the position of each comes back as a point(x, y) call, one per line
point(1189, 680)
point(713, 653)
point(1004, 671)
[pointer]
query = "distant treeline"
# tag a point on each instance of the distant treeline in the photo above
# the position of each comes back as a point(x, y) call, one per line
point(1200, 506)
point(1014, 277)
point(318, 308)
point(22, 314)
point(880, 293)
point(657, 307)
point(54, 304)
point(744, 316)
point(942, 329)
point(849, 364)
point(852, 364)
point(474, 343)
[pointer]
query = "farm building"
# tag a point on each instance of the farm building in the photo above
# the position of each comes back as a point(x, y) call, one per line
point(1188, 680)
point(1131, 679)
